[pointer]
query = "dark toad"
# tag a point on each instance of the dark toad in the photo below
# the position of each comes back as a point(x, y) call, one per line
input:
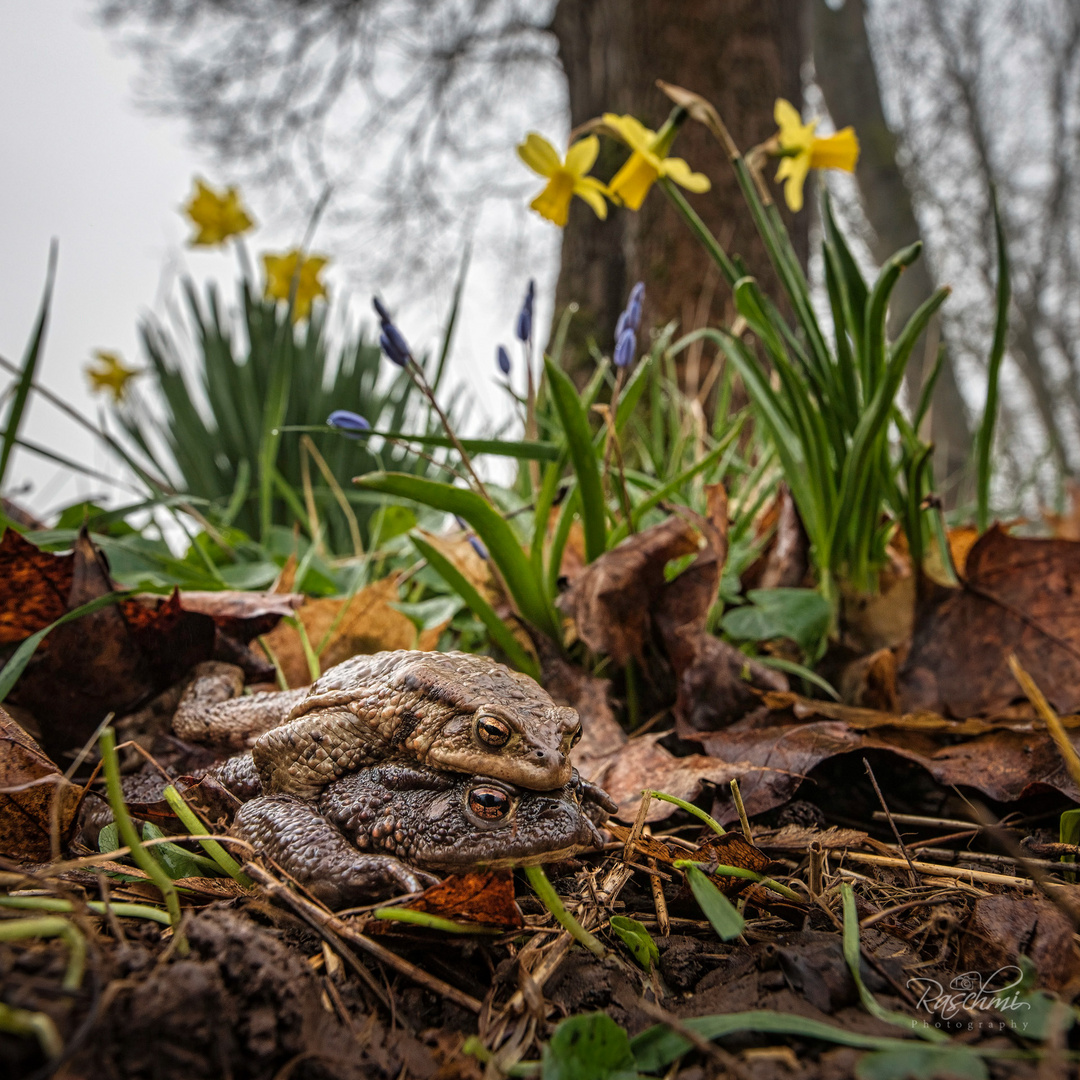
point(451, 711)
point(385, 829)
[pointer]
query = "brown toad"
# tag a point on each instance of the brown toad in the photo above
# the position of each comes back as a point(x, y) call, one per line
point(381, 830)
point(452, 711)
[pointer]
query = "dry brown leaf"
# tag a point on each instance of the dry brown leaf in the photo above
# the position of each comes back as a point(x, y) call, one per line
point(1003, 764)
point(369, 625)
point(642, 763)
point(612, 600)
point(1019, 596)
point(29, 784)
point(1001, 927)
point(485, 898)
point(111, 660)
point(731, 849)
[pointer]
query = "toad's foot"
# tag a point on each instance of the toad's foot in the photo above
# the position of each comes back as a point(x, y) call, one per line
point(308, 847)
point(213, 712)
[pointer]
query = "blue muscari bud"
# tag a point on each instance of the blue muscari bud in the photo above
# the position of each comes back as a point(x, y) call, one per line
point(620, 326)
point(525, 316)
point(633, 305)
point(502, 358)
point(353, 424)
point(476, 545)
point(394, 345)
point(380, 310)
point(625, 348)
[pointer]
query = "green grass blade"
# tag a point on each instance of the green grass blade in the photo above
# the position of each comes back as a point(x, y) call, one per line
point(984, 437)
point(657, 1047)
point(500, 633)
point(718, 909)
point(29, 366)
point(579, 440)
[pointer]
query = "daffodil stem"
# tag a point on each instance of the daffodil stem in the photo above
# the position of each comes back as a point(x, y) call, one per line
point(700, 230)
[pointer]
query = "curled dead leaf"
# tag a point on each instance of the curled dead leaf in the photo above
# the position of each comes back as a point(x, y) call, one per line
point(338, 629)
point(35, 799)
point(1018, 596)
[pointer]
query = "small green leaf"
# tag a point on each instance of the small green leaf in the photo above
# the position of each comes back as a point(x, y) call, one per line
point(588, 1047)
point(718, 909)
point(674, 567)
point(109, 838)
point(637, 939)
point(922, 1063)
point(177, 862)
point(800, 614)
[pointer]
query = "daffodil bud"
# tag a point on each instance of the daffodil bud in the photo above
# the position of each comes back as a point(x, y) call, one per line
point(502, 358)
point(352, 424)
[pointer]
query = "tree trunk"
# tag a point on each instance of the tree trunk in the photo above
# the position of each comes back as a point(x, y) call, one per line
point(741, 55)
point(845, 72)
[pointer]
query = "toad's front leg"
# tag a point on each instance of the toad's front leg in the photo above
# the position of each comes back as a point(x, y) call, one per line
point(306, 846)
point(213, 712)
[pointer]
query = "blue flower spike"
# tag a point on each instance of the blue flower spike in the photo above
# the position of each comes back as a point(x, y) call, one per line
point(626, 327)
point(350, 423)
point(392, 340)
point(502, 358)
point(525, 316)
point(625, 348)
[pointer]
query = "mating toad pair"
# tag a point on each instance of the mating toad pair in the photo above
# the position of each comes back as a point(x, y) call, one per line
point(394, 764)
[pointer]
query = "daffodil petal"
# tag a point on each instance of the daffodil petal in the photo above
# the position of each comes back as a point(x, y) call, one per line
point(592, 195)
point(582, 155)
point(632, 182)
point(539, 154)
point(839, 151)
point(681, 173)
point(786, 115)
point(794, 172)
point(633, 132)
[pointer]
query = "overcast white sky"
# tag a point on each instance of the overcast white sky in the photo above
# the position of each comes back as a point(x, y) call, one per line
point(80, 163)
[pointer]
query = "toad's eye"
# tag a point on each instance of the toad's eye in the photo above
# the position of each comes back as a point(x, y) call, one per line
point(490, 803)
point(493, 731)
point(576, 737)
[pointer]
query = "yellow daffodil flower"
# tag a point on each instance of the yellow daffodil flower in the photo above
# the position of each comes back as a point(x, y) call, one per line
point(647, 163)
point(217, 216)
point(280, 271)
point(804, 151)
point(109, 375)
point(565, 179)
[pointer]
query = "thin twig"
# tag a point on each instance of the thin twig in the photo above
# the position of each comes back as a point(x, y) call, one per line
point(892, 824)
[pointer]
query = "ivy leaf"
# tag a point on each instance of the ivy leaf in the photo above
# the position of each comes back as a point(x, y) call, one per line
point(800, 614)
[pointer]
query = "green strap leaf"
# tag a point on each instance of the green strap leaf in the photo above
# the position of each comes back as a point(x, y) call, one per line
point(29, 366)
point(499, 631)
point(502, 544)
point(579, 440)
